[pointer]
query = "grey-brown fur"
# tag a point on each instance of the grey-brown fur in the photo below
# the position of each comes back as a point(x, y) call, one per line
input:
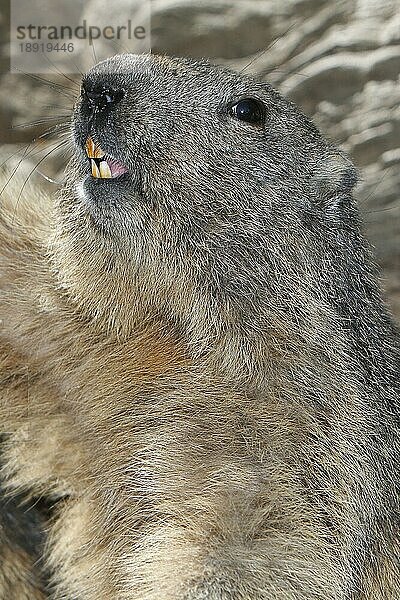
point(197, 366)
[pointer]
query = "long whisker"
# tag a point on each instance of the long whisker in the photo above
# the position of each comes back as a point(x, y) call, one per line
point(58, 128)
point(58, 107)
point(261, 53)
point(61, 144)
point(29, 151)
point(15, 169)
point(15, 154)
point(57, 70)
point(29, 124)
point(57, 87)
point(94, 53)
point(49, 179)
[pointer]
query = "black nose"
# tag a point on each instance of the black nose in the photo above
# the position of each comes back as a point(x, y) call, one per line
point(101, 97)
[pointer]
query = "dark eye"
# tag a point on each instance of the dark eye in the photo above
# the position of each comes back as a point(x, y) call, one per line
point(250, 110)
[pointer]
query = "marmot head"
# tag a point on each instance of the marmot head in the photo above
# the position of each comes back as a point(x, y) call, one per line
point(196, 145)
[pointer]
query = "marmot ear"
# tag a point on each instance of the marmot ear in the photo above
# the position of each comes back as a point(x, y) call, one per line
point(332, 179)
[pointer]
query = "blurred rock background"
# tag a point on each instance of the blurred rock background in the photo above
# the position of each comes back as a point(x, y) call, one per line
point(340, 61)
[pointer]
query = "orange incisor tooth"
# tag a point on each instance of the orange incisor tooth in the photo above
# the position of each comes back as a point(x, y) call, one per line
point(92, 150)
point(90, 147)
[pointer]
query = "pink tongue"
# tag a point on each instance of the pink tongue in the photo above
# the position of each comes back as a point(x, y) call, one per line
point(116, 168)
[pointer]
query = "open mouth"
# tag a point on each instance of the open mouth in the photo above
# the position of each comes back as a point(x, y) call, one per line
point(102, 165)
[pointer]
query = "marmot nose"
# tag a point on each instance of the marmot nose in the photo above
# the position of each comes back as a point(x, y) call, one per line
point(101, 97)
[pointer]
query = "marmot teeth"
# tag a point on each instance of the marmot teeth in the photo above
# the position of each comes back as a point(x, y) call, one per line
point(100, 167)
point(105, 171)
point(93, 150)
point(95, 170)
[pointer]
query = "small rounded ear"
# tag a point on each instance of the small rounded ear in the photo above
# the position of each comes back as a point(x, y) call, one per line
point(333, 177)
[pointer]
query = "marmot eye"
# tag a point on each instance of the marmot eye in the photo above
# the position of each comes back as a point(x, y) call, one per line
point(250, 110)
